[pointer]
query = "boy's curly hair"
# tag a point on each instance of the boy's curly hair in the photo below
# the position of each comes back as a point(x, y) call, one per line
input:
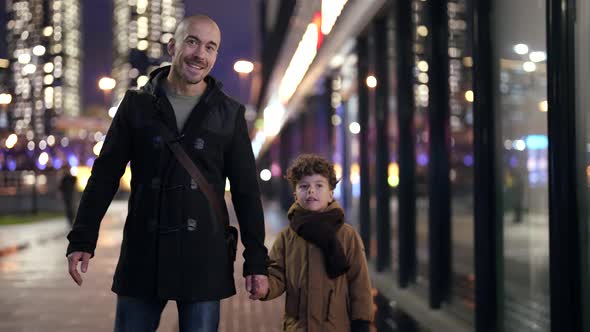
point(310, 164)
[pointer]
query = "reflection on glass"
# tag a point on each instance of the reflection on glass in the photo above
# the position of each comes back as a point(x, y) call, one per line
point(339, 137)
point(583, 116)
point(350, 180)
point(393, 147)
point(371, 147)
point(521, 94)
point(461, 160)
point(421, 93)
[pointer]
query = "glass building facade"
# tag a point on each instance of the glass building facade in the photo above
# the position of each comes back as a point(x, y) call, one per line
point(459, 130)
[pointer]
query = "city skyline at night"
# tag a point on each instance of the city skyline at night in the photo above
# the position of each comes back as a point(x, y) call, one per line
point(54, 108)
point(43, 46)
point(238, 25)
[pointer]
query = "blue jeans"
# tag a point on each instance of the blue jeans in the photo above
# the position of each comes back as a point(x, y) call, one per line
point(139, 315)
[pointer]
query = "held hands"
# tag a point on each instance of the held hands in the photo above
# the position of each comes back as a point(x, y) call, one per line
point(257, 286)
point(73, 259)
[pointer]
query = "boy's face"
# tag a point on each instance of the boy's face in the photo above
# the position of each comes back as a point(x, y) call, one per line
point(313, 192)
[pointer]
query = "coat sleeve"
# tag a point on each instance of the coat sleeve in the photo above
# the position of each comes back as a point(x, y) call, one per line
point(240, 169)
point(359, 283)
point(276, 270)
point(103, 182)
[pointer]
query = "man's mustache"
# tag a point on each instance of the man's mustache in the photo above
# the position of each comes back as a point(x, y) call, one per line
point(198, 62)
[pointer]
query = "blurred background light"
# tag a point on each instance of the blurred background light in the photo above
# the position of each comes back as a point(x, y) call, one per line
point(538, 56)
point(354, 127)
point(537, 142)
point(106, 83)
point(265, 175)
point(243, 67)
point(371, 81)
point(521, 49)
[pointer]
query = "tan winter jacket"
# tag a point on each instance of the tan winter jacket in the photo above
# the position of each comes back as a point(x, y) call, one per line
point(314, 301)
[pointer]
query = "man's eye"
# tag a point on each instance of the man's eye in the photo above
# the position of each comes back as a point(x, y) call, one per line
point(210, 48)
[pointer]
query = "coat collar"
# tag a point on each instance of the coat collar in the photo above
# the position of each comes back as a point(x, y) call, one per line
point(154, 86)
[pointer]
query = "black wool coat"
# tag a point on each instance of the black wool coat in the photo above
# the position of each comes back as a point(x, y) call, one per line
point(173, 248)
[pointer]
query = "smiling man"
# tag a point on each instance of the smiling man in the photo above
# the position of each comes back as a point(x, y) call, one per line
point(174, 246)
point(194, 51)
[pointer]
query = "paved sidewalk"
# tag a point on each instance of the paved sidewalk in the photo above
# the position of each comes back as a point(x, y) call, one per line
point(17, 237)
point(37, 294)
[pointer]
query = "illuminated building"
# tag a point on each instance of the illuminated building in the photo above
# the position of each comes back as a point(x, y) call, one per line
point(5, 96)
point(44, 51)
point(141, 30)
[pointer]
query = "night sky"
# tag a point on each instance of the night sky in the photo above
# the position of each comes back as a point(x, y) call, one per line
point(238, 24)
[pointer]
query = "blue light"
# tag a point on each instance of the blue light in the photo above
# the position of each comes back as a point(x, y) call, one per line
point(536, 142)
point(513, 162)
point(41, 166)
point(468, 160)
point(57, 163)
point(337, 191)
point(90, 162)
point(356, 190)
point(534, 178)
point(11, 164)
point(422, 159)
point(73, 160)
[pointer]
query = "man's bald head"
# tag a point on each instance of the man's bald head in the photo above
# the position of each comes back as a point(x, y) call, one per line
point(194, 51)
point(181, 29)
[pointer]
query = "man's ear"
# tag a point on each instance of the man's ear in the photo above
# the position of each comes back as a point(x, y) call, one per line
point(171, 47)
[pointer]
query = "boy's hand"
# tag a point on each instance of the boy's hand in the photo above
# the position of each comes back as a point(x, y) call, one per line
point(257, 286)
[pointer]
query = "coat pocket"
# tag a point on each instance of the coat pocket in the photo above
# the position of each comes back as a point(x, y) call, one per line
point(173, 212)
point(292, 303)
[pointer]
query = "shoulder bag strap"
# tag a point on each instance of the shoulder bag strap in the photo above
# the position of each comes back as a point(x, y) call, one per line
point(192, 169)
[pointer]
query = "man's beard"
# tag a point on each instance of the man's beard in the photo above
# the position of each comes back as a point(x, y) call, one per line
point(185, 77)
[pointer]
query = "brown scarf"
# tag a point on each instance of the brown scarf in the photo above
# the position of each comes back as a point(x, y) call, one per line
point(319, 228)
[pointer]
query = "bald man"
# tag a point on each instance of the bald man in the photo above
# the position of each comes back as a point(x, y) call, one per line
point(172, 246)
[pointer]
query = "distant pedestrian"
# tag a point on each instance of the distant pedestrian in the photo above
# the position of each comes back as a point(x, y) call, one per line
point(319, 260)
point(515, 193)
point(66, 187)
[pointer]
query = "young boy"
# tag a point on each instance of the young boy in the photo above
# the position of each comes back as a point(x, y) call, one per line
point(318, 259)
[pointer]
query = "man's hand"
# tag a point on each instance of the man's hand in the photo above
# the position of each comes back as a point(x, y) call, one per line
point(257, 286)
point(73, 259)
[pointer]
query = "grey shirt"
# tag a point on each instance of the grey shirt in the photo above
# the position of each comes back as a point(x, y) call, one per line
point(182, 105)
